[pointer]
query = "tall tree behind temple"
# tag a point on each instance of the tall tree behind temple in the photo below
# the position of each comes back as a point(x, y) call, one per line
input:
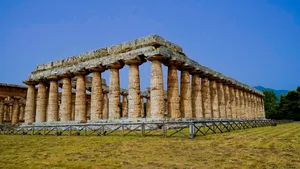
point(271, 104)
point(289, 105)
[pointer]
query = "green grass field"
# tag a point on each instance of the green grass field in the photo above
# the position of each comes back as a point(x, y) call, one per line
point(264, 147)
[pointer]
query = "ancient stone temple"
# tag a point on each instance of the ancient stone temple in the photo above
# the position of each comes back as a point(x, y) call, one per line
point(12, 103)
point(202, 93)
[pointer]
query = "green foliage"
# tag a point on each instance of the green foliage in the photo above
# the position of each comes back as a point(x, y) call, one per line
point(288, 106)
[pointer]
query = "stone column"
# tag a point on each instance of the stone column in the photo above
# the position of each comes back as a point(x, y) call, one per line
point(221, 100)
point(214, 99)
point(88, 109)
point(237, 101)
point(172, 92)
point(232, 102)
point(114, 91)
point(249, 106)
point(196, 97)
point(15, 115)
point(157, 89)
point(206, 102)
point(41, 103)
point(134, 91)
point(5, 110)
point(73, 111)
point(80, 98)
point(253, 106)
point(142, 107)
point(105, 105)
point(185, 95)
point(52, 113)
point(96, 96)
point(148, 107)
point(1, 110)
point(66, 100)
point(242, 104)
point(246, 105)
point(263, 107)
point(124, 105)
point(21, 116)
point(227, 102)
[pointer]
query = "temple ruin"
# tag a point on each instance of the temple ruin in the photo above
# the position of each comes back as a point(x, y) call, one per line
point(202, 93)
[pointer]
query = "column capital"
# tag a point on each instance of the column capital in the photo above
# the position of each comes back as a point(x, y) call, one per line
point(53, 78)
point(30, 82)
point(66, 75)
point(83, 72)
point(116, 65)
point(97, 69)
point(135, 61)
point(156, 57)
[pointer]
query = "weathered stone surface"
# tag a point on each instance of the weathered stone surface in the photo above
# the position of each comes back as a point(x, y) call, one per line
point(227, 101)
point(96, 97)
point(196, 97)
point(185, 95)
point(52, 112)
point(41, 103)
point(124, 106)
point(22, 112)
point(157, 90)
point(1, 110)
point(66, 101)
point(114, 94)
point(15, 115)
point(206, 102)
point(237, 103)
point(30, 104)
point(232, 102)
point(221, 100)
point(105, 106)
point(134, 96)
point(214, 99)
point(242, 104)
point(80, 99)
point(142, 107)
point(172, 92)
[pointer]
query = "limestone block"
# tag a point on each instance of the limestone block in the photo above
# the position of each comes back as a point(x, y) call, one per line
point(105, 108)
point(15, 115)
point(237, 102)
point(185, 95)
point(124, 106)
point(242, 104)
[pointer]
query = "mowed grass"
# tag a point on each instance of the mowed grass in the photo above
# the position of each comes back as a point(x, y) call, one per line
point(264, 147)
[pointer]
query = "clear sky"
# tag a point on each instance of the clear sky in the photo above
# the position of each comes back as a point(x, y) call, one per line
point(254, 41)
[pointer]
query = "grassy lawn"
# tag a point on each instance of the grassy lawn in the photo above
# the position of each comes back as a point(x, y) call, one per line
point(264, 147)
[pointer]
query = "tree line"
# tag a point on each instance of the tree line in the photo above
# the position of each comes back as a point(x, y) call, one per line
point(286, 107)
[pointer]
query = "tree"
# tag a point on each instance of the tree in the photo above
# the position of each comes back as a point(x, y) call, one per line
point(271, 104)
point(289, 105)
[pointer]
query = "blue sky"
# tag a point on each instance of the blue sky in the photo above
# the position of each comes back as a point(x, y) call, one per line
point(253, 41)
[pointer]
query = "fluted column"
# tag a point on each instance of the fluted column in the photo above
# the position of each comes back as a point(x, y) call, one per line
point(10, 111)
point(206, 102)
point(227, 102)
point(80, 98)
point(73, 110)
point(114, 91)
point(52, 113)
point(242, 104)
point(148, 107)
point(196, 97)
point(105, 105)
point(96, 96)
point(157, 90)
point(185, 94)
point(253, 105)
point(237, 101)
point(66, 100)
point(263, 107)
point(249, 106)
point(88, 109)
point(124, 105)
point(4, 113)
point(41, 103)
point(221, 100)
point(1, 109)
point(172, 92)
point(30, 103)
point(134, 91)
point(21, 116)
point(232, 102)
point(214, 99)
point(15, 115)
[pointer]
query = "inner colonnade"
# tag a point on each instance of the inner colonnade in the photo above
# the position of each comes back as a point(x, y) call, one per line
point(201, 93)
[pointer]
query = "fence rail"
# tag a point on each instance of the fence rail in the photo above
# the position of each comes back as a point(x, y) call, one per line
point(164, 129)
